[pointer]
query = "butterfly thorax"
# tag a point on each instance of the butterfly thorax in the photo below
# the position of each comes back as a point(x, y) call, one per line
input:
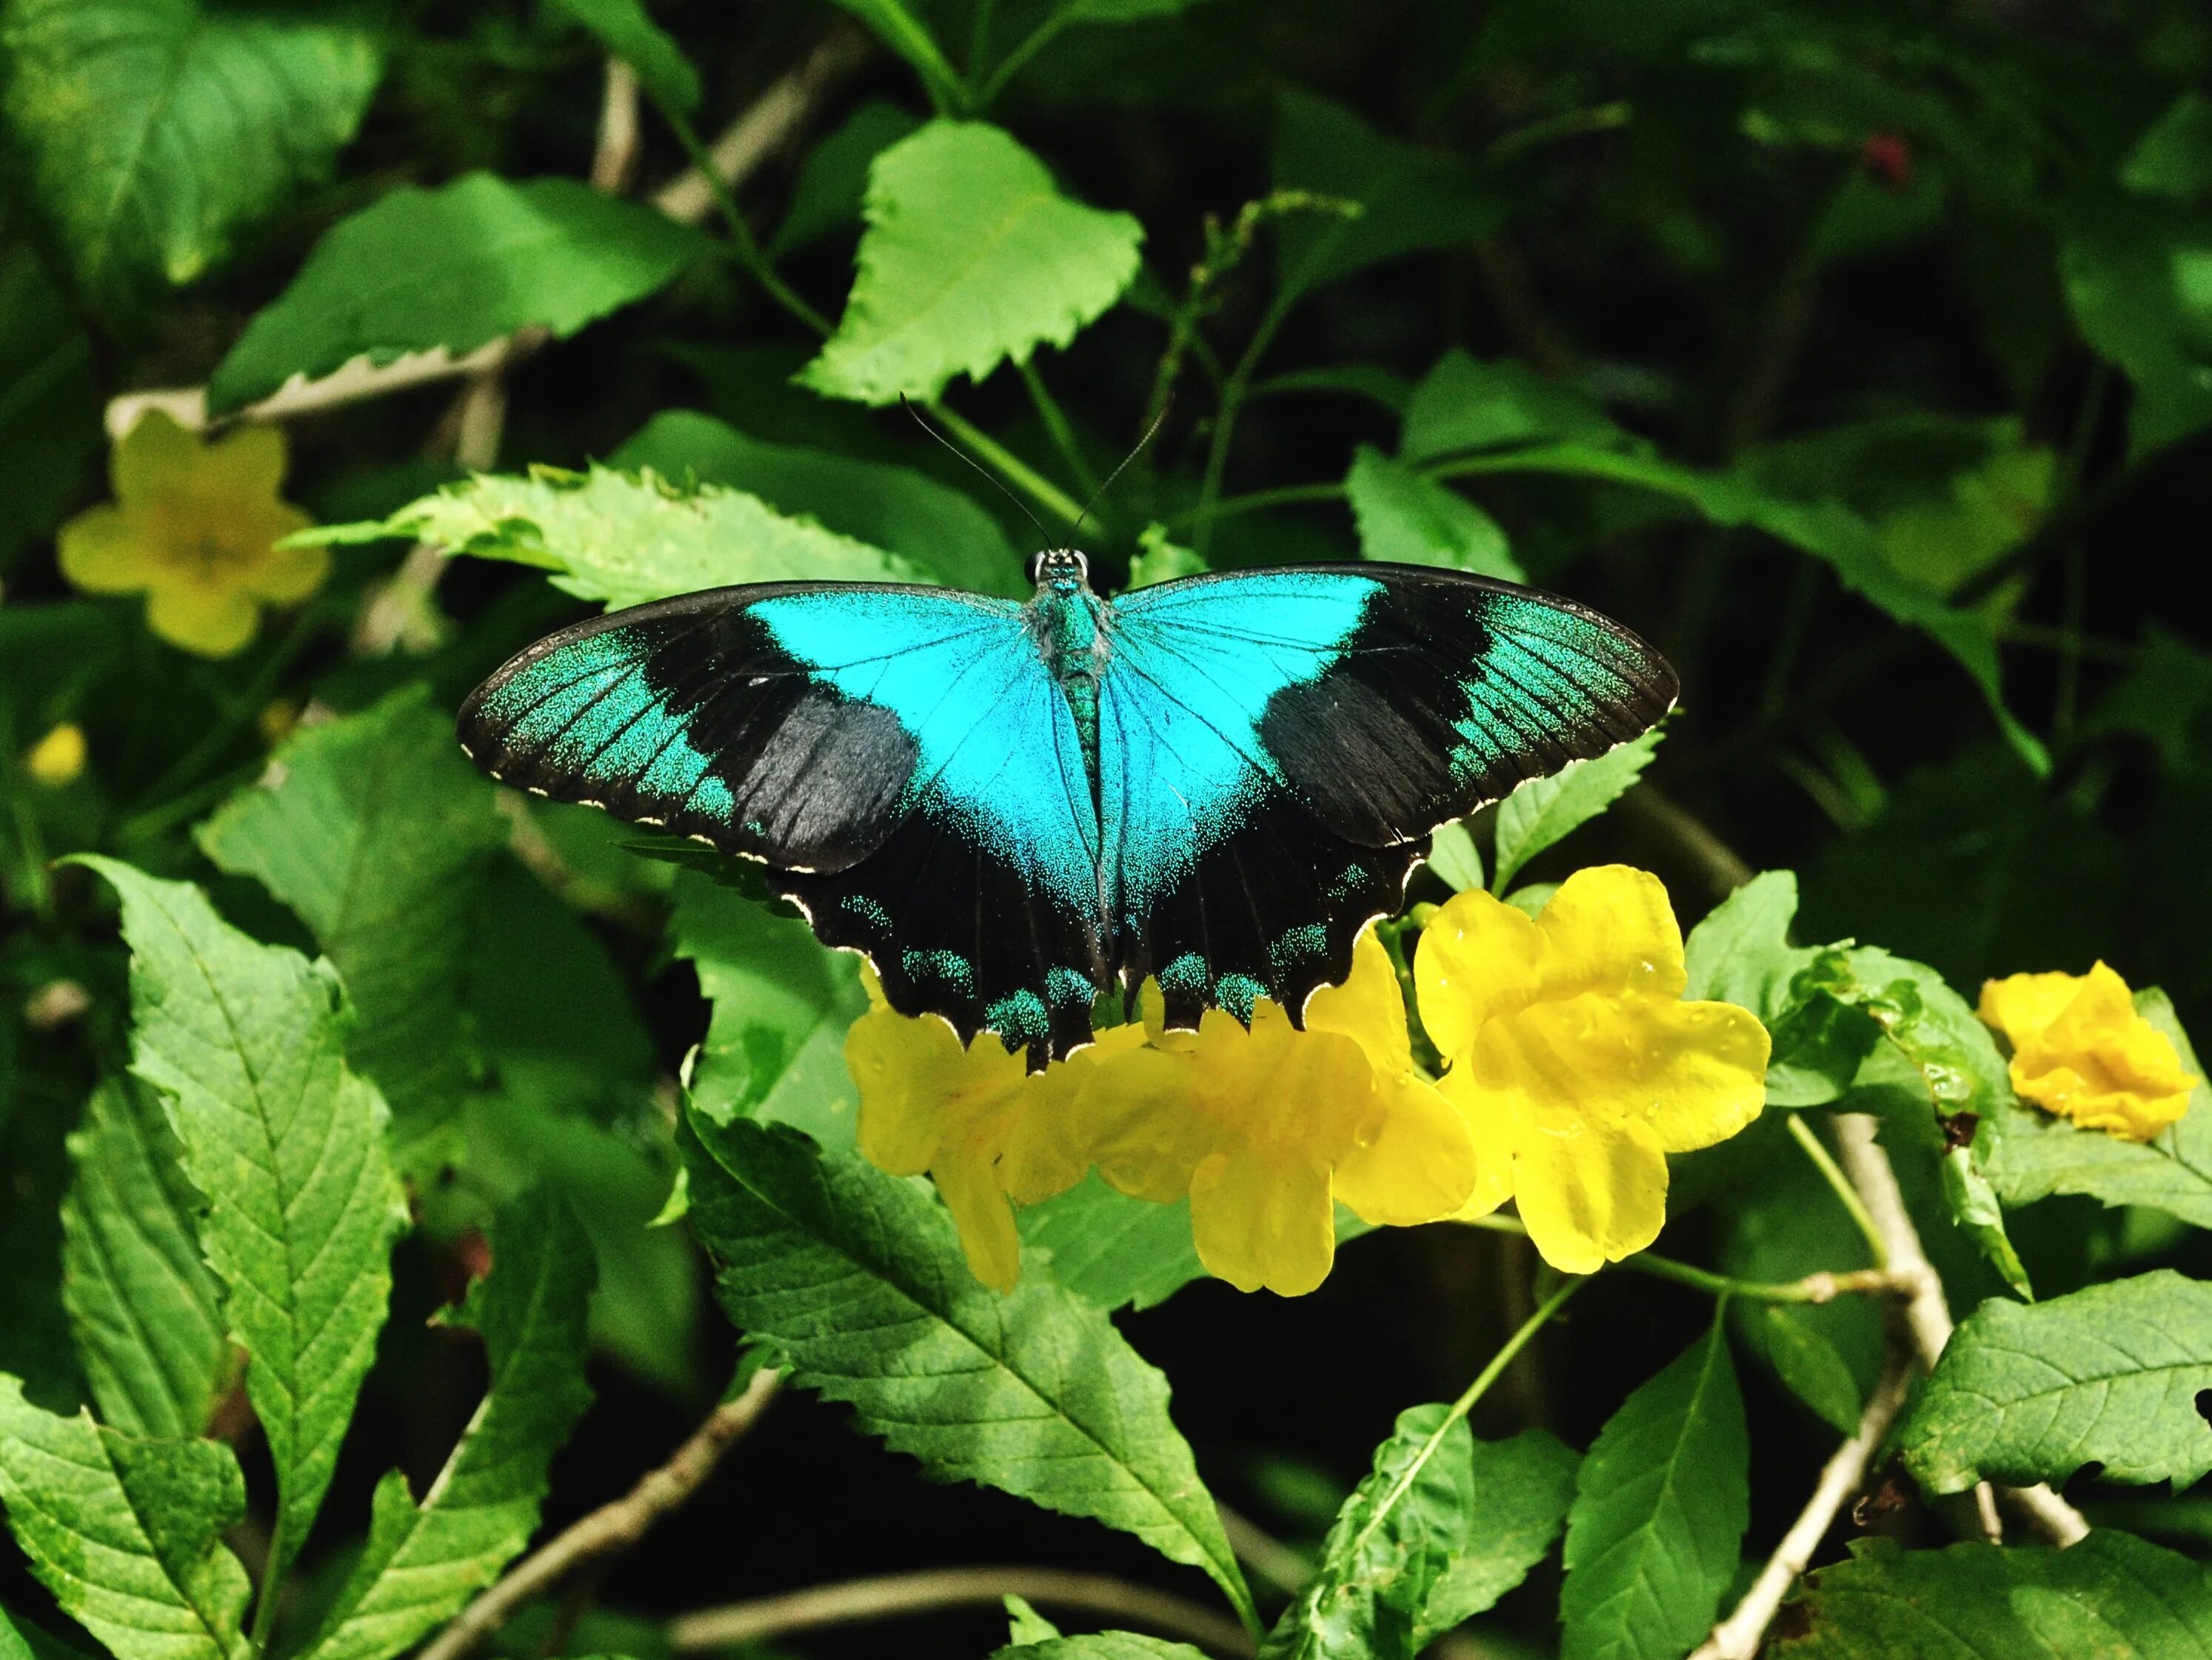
point(1067, 620)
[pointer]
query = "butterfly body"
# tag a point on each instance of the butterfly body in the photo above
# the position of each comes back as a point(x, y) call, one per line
point(1009, 807)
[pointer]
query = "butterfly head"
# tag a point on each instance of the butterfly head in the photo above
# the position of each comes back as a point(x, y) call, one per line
point(1060, 570)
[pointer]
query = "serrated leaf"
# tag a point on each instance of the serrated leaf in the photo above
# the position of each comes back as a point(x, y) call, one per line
point(423, 1563)
point(623, 539)
point(1660, 1505)
point(872, 502)
point(854, 1278)
point(1102, 1645)
point(1410, 198)
point(2112, 1595)
point(206, 120)
point(141, 1303)
point(2109, 1374)
point(1806, 1363)
point(775, 1049)
point(1464, 404)
point(377, 832)
point(1404, 518)
point(1441, 1527)
point(626, 33)
point(826, 197)
point(971, 256)
point(246, 1041)
point(455, 267)
point(1113, 1250)
point(1544, 810)
point(1025, 1625)
point(2035, 1153)
point(127, 1534)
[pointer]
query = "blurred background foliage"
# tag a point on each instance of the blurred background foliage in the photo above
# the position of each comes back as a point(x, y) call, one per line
point(1858, 353)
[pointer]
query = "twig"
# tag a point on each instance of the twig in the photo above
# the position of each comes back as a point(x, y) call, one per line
point(1928, 1316)
point(614, 158)
point(851, 1601)
point(1738, 1637)
point(735, 156)
point(612, 1527)
point(1268, 1557)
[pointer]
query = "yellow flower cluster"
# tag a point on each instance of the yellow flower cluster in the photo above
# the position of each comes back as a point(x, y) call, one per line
point(194, 526)
point(1574, 1068)
point(2080, 1048)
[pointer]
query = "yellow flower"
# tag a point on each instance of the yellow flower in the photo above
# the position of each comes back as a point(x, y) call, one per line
point(1576, 1061)
point(58, 757)
point(2080, 1048)
point(975, 1119)
point(1265, 1129)
point(191, 527)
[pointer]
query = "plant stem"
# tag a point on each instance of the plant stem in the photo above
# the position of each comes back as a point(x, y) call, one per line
point(1823, 1287)
point(1056, 423)
point(612, 1527)
point(743, 243)
point(887, 1596)
point(1011, 467)
point(1283, 496)
point(978, 43)
point(1036, 40)
point(948, 93)
point(1234, 392)
point(1846, 1194)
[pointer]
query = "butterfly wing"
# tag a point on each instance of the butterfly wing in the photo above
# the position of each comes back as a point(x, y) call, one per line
point(897, 756)
point(1276, 745)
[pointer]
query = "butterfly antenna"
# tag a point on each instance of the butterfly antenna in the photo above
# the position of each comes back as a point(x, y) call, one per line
point(1135, 451)
point(1044, 536)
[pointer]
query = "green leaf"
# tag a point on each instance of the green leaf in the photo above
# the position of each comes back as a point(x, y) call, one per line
point(2174, 157)
point(1741, 952)
point(626, 33)
point(898, 29)
point(1660, 1505)
point(971, 256)
point(1410, 198)
point(1025, 1625)
point(2125, 263)
point(205, 121)
point(1454, 856)
point(608, 535)
point(287, 1146)
point(377, 833)
point(872, 502)
point(141, 1302)
point(2037, 1153)
point(127, 1534)
point(1102, 1645)
point(1158, 559)
point(2112, 1595)
point(1113, 1250)
point(826, 199)
point(1826, 529)
point(1543, 809)
point(423, 1563)
point(1807, 1363)
point(775, 1046)
point(2110, 1374)
point(854, 1278)
point(1464, 404)
point(1523, 1486)
point(1406, 519)
point(455, 267)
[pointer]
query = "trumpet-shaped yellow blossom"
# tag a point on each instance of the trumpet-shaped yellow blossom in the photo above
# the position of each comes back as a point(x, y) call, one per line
point(1264, 1128)
point(191, 527)
point(58, 757)
point(2080, 1048)
point(1577, 1063)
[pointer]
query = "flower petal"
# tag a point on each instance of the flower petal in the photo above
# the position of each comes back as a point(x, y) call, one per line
point(209, 622)
point(1414, 1162)
point(1478, 958)
point(1589, 1193)
point(104, 550)
point(2021, 1005)
point(1263, 1222)
point(284, 576)
point(2101, 1063)
point(1369, 1007)
point(1610, 928)
point(156, 458)
point(247, 463)
point(969, 1187)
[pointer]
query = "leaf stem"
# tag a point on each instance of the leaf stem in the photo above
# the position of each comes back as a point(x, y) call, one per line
point(1016, 471)
point(1283, 496)
point(1847, 1194)
point(1234, 392)
point(1822, 1287)
point(743, 243)
point(1015, 61)
point(948, 93)
point(1056, 423)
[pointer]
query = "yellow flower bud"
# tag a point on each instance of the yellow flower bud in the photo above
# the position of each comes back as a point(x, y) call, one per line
point(2080, 1050)
point(58, 757)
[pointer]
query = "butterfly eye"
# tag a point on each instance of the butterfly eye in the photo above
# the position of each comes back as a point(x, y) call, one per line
point(1033, 572)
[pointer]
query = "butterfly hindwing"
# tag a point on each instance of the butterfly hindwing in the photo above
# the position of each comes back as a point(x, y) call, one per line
point(1276, 747)
point(898, 757)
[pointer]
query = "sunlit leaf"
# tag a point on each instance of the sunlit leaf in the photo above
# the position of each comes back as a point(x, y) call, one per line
point(1544, 810)
point(826, 199)
point(627, 33)
point(1406, 519)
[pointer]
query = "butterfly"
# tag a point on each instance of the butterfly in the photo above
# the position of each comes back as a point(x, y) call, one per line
point(1217, 781)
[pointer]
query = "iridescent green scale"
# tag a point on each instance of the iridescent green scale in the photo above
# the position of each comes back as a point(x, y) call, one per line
point(1214, 783)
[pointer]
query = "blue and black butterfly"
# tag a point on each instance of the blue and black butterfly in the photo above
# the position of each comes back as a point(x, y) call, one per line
point(1010, 807)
